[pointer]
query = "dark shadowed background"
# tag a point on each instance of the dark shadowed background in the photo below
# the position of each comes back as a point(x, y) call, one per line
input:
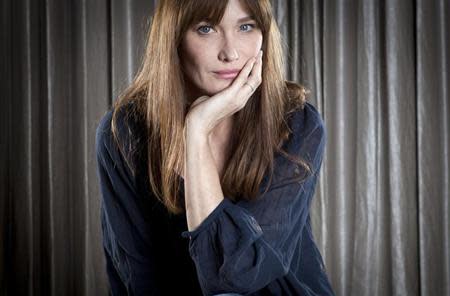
point(378, 72)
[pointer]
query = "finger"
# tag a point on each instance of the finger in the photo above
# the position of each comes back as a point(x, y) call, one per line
point(254, 80)
point(256, 73)
point(243, 75)
point(257, 64)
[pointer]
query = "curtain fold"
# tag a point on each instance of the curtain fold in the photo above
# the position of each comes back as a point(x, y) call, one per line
point(433, 145)
point(378, 72)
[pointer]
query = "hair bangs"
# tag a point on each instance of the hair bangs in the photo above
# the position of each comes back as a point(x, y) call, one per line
point(204, 10)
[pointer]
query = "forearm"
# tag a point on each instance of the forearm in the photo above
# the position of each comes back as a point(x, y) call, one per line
point(203, 191)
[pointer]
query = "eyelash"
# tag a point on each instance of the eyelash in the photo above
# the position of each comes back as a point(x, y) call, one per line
point(207, 26)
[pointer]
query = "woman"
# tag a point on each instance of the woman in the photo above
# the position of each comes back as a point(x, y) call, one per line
point(209, 160)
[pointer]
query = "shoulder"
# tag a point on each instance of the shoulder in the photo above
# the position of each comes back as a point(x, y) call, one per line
point(103, 135)
point(129, 133)
point(308, 134)
point(306, 120)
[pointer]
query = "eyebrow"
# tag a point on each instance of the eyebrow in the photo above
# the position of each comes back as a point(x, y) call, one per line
point(244, 19)
point(247, 18)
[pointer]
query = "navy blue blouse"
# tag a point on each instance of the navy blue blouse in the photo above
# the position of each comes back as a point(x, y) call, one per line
point(260, 247)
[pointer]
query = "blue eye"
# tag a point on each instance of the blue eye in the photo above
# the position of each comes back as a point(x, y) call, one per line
point(201, 31)
point(243, 27)
point(251, 25)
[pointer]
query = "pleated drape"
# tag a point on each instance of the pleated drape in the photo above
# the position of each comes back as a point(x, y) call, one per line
point(433, 144)
point(66, 60)
point(378, 72)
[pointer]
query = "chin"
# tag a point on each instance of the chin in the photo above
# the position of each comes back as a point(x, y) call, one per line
point(210, 91)
point(216, 87)
point(219, 89)
point(222, 84)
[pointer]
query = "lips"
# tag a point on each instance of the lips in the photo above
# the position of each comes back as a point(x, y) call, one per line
point(227, 74)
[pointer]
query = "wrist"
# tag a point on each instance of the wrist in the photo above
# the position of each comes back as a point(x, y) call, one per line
point(194, 132)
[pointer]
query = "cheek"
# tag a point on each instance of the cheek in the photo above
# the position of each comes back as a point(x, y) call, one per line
point(195, 68)
point(250, 46)
point(195, 59)
point(258, 43)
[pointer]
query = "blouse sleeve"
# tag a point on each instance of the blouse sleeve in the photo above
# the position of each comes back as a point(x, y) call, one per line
point(126, 233)
point(243, 247)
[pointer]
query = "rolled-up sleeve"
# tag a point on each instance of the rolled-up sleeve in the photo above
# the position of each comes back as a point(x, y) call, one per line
point(242, 247)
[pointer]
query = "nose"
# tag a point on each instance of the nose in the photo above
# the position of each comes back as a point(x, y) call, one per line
point(228, 53)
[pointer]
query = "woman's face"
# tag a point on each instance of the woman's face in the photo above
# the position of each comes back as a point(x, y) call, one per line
point(207, 51)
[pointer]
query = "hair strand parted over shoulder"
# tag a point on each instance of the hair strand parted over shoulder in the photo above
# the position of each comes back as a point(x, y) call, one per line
point(159, 103)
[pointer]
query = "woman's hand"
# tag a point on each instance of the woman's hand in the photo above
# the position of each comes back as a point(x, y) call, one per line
point(206, 112)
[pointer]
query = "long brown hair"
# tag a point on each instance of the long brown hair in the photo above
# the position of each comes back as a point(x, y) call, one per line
point(157, 93)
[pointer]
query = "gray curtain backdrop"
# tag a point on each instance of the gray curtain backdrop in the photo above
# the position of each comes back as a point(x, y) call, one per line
point(378, 72)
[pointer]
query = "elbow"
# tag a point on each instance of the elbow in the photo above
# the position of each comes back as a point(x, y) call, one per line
point(242, 277)
point(239, 283)
point(235, 284)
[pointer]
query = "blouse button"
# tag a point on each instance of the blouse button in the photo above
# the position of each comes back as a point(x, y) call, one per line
point(255, 224)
